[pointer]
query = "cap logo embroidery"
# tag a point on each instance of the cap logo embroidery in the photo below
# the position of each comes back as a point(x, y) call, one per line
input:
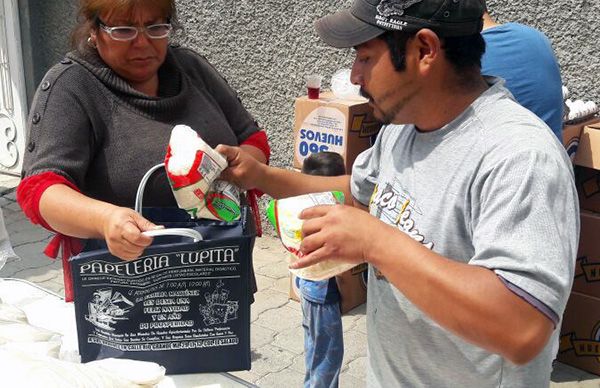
point(388, 8)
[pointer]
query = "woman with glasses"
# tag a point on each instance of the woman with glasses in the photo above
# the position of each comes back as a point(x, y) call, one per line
point(103, 116)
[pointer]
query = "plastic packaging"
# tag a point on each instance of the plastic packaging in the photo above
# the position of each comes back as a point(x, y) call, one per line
point(192, 166)
point(342, 86)
point(222, 202)
point(313, 85)
point(6, 250)
point(579, 109)
point(284, 213)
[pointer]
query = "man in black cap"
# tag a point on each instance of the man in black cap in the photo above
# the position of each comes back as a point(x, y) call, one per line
point(472, 228)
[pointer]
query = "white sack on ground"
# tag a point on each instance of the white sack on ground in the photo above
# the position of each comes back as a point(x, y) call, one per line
point(140, 372)
point(22, 370)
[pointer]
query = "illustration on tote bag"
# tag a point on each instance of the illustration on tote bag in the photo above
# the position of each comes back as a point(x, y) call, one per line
point(106, 308)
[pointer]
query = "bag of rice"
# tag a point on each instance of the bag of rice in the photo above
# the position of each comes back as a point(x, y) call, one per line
point(284, 213)
point(222, 202)
point(192, 166)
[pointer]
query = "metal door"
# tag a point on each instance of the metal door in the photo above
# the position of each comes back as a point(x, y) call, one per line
point(13, 105)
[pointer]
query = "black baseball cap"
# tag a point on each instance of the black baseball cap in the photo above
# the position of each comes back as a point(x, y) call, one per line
point(367, 19)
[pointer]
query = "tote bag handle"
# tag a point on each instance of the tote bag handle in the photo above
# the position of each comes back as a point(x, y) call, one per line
point(182, 232)
point(139, 199)
point(139, 196)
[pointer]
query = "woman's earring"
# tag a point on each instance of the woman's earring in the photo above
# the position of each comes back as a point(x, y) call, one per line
point(91, 42)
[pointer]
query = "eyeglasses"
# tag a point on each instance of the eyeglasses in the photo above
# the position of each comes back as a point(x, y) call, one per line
point(127, 33)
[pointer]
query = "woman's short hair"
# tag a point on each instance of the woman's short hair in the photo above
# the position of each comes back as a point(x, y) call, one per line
point(89, 10)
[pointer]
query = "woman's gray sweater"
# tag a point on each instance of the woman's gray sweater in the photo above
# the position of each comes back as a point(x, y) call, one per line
point(88, 125)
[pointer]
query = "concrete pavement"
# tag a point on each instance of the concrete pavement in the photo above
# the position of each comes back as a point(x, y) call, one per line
point(276, 332)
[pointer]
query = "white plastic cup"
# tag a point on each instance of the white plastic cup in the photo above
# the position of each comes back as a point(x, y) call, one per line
point(313, 84)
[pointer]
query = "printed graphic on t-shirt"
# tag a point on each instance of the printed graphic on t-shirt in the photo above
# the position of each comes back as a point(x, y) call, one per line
point(395, 206)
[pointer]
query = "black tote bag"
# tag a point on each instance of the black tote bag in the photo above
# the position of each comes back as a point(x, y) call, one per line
point(185, 303)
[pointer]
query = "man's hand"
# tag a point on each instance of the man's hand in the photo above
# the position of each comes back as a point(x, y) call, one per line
point(244, 170)
point(335, 232)
point(122, 230)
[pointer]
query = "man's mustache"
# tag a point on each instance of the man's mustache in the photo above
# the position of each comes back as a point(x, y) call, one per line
point(366, 95)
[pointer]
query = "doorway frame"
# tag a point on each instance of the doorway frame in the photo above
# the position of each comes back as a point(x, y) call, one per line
point(13, 99)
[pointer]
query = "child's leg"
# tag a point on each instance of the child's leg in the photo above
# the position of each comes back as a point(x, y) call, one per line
point(309, 344)
point(323, 344)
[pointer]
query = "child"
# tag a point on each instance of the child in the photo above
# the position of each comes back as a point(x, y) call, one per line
point(322, 319)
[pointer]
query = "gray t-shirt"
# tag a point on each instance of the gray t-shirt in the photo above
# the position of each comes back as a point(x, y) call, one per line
point(493, 188)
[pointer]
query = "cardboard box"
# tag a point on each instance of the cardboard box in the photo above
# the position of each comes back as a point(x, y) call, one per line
point(572, 133)
point(329, 124)
point(352, 286)
point(588, 188)
point(580, 333)
point(588, 152)
point(587, 268)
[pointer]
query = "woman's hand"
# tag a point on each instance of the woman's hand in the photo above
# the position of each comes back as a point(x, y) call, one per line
point(122, 230)
point(244, 170)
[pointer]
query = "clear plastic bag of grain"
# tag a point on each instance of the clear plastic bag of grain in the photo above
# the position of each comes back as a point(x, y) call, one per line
point(192, 166)
point(284, 215)
point(223, 202)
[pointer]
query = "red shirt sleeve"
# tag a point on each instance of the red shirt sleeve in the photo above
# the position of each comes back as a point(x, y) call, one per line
point(29, 193)
point(30, 190)
point(259, 140)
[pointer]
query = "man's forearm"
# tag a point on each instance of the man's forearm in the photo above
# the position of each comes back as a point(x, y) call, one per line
point(281, 183)
point(255, 152)
point(470, 301)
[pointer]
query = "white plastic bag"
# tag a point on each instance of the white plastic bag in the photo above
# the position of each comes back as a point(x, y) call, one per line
point(25, 370)
point(6, 250)
point(284, 215)
point(192, 166)
point(342, 86)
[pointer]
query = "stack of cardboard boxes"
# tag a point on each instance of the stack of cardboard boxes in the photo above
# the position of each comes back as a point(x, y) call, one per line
point(345, 126)
point(580, 333)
